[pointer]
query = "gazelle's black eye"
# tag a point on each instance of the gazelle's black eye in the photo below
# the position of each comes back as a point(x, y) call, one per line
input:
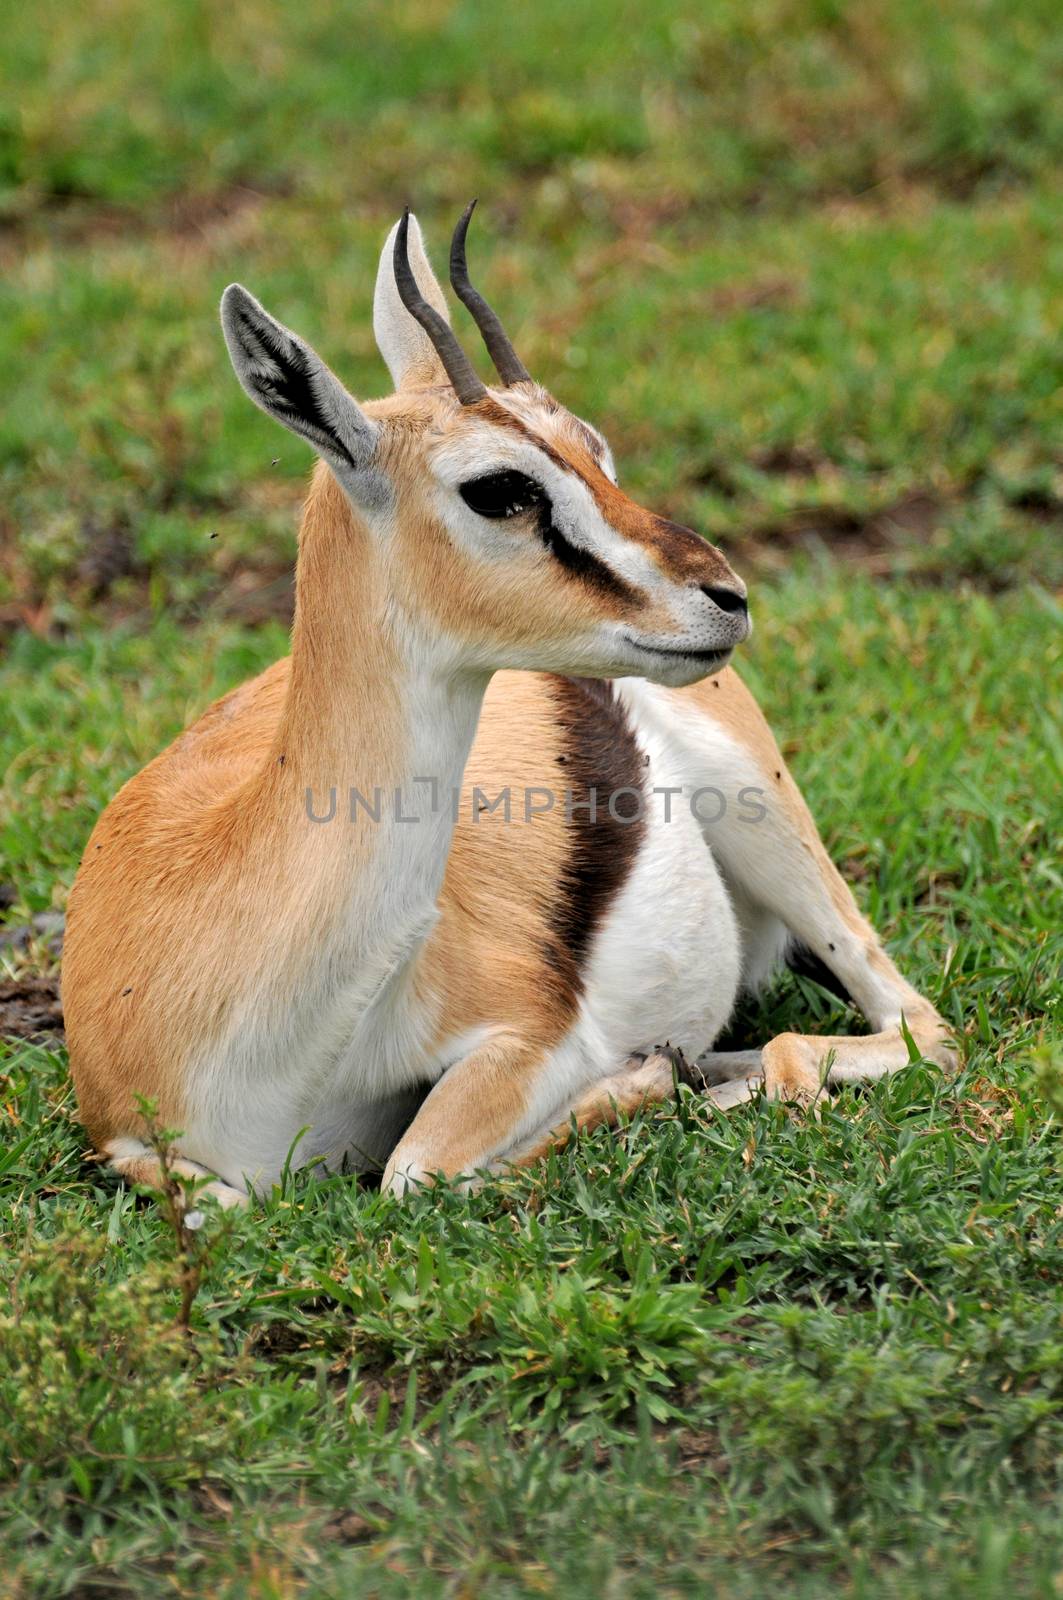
point(501, 494)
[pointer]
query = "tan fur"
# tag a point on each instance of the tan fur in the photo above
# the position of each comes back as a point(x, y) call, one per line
point(186, 884)
point(486, 958)
point(203, 882)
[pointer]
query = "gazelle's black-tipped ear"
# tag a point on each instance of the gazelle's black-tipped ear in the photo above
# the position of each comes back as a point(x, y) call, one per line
point(290, 382)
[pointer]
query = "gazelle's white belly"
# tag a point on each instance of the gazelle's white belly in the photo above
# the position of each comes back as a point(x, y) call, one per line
point(666, 963)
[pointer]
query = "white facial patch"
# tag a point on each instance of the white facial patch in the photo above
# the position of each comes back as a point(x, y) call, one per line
point(486, 449)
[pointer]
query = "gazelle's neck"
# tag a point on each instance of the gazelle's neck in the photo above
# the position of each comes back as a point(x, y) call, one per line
point(373, 738)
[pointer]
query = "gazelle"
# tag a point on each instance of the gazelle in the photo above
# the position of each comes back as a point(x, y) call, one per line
point(287, 933)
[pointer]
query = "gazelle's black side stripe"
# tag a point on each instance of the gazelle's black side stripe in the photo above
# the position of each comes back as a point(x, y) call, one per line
point(601, 754)
point(284, 383)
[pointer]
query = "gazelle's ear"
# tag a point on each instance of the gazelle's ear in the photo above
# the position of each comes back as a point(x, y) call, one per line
point(407, 349)
point(290, 382)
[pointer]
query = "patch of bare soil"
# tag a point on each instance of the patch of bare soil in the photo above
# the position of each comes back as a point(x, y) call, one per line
point(791, 461)
point(30, 1008)
point(870, 543)
point(108, 556)
point(726, 299)
point(251, 595)
point(183, 217)
point(1039, 503)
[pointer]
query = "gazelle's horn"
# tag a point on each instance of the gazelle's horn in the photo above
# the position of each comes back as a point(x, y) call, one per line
point(459, 369)
point(511, 368)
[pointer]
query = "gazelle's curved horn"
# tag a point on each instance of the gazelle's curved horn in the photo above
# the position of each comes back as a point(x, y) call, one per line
point(511, 368)
point(456, 364)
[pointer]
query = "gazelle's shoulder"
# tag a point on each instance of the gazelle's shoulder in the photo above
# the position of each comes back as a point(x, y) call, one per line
point(241, 720)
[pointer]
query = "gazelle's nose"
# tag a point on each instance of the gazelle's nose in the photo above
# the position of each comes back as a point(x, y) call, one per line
point(734, 623)
point(727, 599)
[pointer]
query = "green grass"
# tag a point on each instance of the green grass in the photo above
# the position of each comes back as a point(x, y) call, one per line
point(803, 262)
point(825, 1355)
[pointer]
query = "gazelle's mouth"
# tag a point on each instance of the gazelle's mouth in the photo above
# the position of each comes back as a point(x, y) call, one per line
point(711, 660)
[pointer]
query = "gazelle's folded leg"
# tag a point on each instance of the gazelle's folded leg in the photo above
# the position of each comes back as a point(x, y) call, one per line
point(641, 1083)
point(727, 1066)
point(477, 1110)
point(798, 1066)
point(478, 1114)
point(136, 1163)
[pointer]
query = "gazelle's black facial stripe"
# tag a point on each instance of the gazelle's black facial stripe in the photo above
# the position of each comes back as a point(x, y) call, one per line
point(679, 554)
point(501, 495)
point(284, 383)
point(581, 563)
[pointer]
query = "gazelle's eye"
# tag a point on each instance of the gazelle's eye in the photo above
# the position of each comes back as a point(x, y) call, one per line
point(501, 494)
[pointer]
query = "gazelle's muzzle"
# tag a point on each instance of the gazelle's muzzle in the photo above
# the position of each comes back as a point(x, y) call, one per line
point(701, 612)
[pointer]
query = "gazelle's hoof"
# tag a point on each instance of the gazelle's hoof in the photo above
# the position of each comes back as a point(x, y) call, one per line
point(792, 1072)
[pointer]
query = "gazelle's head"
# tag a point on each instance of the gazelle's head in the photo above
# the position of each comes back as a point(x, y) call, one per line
point(495, 513)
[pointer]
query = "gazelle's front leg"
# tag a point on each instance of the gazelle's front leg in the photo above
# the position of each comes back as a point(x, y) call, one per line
point(777, 868)
point(797, 882)
point(790, 875)
point(483, 1111)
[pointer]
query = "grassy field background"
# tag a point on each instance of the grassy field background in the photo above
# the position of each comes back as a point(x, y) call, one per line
point(803, 263)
